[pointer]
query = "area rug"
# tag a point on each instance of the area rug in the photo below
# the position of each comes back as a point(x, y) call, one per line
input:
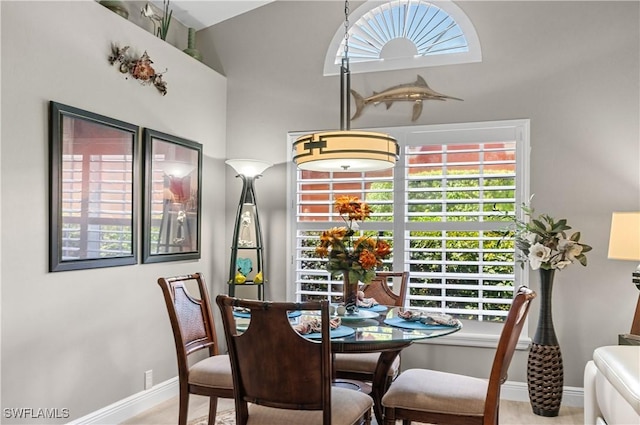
point(228, 417)
point(225, 417)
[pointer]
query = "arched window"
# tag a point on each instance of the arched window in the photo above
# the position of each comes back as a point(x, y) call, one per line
point(401, 34)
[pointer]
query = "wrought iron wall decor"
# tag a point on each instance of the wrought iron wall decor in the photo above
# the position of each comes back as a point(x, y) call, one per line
point(139, 68)
point(93, 190)
point(172, 207)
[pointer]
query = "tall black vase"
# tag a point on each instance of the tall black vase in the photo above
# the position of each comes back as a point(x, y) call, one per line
point(545, 373)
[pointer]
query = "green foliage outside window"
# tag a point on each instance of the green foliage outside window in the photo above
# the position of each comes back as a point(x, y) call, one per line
point(434, 197)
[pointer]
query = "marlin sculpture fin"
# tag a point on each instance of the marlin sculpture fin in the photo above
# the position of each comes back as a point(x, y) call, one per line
point(417, 110)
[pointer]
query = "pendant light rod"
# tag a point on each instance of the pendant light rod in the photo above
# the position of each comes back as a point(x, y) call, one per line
point(345, 76)
point(345, 150)
point(345, 101)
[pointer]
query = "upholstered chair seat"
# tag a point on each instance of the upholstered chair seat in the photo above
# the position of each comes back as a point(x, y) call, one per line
point(214, 371)
point(364, 363)
point(347, 406)
point(441, 392)
point(431, 396)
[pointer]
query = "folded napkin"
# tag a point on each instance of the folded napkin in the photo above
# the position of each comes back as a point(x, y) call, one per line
point(365, 302)
point(307, 326)
point(428, 318)
point(241, 310)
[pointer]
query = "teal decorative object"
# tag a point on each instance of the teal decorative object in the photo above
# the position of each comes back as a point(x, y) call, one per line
point(244, 265)
point(191, 45)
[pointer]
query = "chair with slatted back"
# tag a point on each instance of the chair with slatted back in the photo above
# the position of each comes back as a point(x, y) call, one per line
point(281, 377)
point(361, 366)
point(438, 397)
point(193, 332)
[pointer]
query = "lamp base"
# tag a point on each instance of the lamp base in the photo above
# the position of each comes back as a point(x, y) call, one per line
point(635, 325)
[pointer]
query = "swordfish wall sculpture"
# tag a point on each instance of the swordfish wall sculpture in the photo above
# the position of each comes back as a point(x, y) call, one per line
point(414, 92)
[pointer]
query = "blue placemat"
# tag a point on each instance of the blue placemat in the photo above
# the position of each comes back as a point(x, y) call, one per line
point(361, 314)
point(405, 324)
point(339, 332)
point(377, 308)
point(247, 315)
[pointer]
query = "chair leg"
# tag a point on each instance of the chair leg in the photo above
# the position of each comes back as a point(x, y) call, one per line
point(213, 409)
point(389, 416)
point(183, 410)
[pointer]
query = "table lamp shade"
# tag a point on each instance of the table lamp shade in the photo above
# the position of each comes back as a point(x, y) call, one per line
point(624, 239)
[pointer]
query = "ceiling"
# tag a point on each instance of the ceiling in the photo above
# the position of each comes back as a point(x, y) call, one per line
point(204, 13)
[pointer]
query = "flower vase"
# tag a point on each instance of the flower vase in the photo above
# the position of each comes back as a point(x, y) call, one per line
point(350, 293)
point(544, 366)
point(116, 6)
point(191, 45)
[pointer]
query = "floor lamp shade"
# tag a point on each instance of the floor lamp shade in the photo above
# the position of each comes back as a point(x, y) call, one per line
point(248, 167)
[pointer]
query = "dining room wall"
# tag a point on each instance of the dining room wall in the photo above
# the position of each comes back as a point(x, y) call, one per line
point(81, 340)
point(571, 67)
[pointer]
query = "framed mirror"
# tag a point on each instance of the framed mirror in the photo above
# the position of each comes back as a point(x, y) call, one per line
point(173, 177)
point(93, 190)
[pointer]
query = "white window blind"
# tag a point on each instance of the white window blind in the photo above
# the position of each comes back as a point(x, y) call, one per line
point(442, 209)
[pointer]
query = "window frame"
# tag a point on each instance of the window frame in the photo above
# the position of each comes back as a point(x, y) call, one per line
point(474, 333)
point(335, 48)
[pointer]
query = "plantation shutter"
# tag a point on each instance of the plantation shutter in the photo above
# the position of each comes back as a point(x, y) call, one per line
point(443, 209)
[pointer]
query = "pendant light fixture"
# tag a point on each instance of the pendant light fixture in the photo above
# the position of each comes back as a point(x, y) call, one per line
point(345, 149)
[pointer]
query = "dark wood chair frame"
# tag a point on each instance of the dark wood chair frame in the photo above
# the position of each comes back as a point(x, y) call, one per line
point(262, 374)
point(193, 331)
point(502, 359)
point(379, 288)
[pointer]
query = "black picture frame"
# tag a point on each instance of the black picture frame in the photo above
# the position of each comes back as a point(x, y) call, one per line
point(172, 198)
point(93, 187)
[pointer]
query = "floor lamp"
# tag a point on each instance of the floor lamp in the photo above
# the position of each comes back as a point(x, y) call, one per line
point(246, 264)
point(624, 244)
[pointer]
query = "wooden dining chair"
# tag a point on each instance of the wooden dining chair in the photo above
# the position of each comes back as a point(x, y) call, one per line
point(281, 377)
point(380, 289)
point(445, 398)
point(193, 332)
point(361, 366)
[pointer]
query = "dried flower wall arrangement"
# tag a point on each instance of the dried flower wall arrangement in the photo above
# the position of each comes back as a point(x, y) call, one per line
point(138, 68)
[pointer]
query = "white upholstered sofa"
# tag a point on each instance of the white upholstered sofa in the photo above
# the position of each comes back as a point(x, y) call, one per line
point(612, 386)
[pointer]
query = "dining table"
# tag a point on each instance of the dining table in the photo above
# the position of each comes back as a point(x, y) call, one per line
point(372, 330)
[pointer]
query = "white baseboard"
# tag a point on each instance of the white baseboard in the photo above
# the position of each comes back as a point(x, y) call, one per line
point(131, 406)
point(137, 403)
point(518, 391)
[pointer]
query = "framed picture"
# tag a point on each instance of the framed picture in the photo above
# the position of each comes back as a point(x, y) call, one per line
point(93, 190)
point(172, 208)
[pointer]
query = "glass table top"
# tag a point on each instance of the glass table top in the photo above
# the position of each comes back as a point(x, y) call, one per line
point(372, 327)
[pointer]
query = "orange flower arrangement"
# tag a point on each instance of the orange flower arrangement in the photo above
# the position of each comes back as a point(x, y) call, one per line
point(359, 257)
